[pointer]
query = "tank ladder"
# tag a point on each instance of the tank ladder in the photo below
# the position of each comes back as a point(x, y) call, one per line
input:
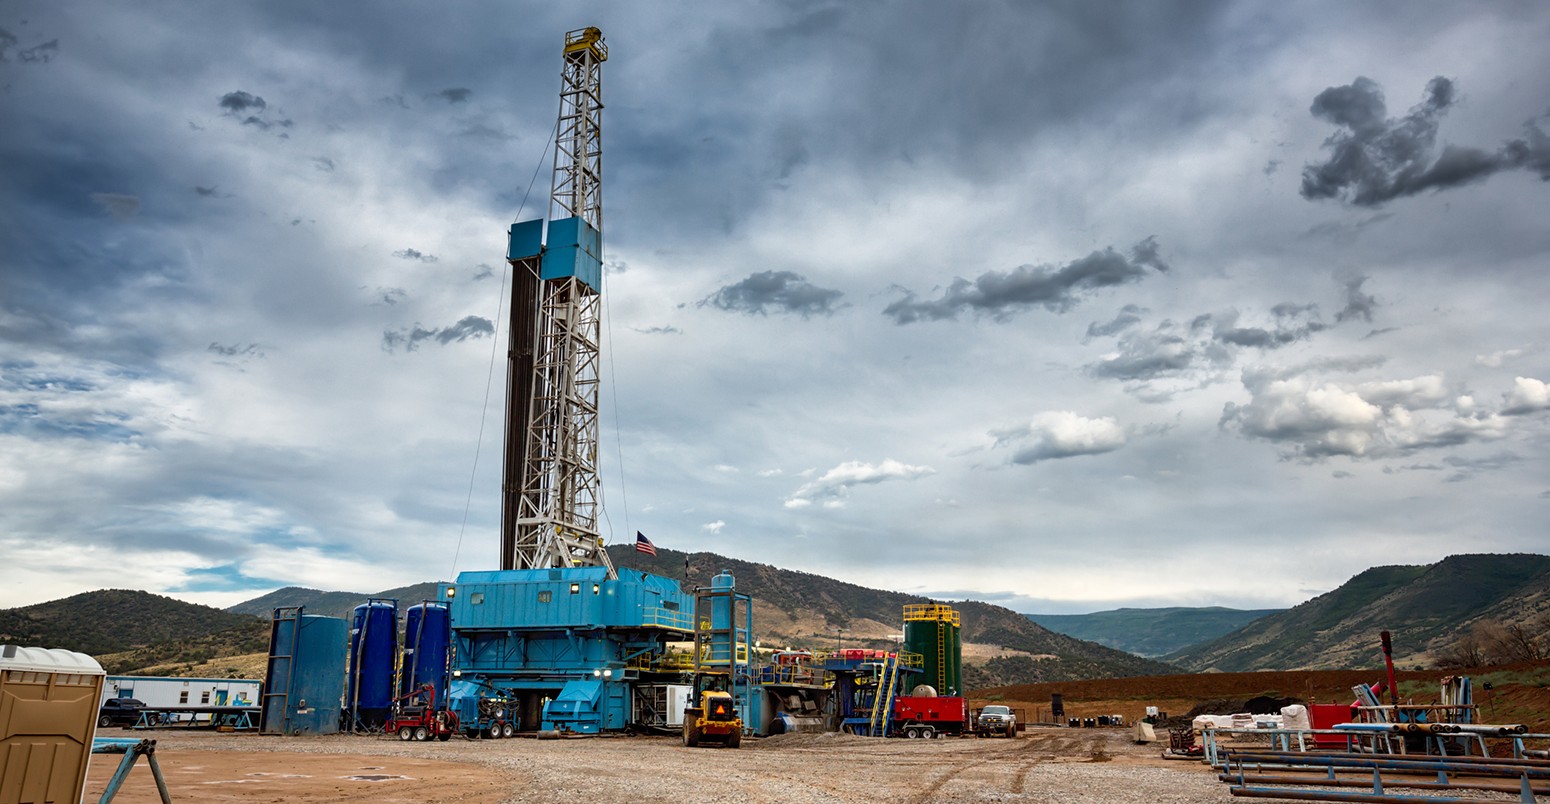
point(290, 614)
point(942, 635)
point(882, 702)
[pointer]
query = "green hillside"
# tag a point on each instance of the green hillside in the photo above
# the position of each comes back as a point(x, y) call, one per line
point(113, 620)
point(1151, 632)
point(1427, 608)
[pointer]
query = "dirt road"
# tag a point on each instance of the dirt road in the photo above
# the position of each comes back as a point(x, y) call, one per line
point(1053, 765)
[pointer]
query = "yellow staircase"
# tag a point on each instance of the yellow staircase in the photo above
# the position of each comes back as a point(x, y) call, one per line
point(882, 702)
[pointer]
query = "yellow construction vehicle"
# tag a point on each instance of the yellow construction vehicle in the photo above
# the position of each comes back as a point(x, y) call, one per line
point(714, 721)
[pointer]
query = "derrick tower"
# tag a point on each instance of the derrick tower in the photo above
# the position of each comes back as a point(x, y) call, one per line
point(550, 492)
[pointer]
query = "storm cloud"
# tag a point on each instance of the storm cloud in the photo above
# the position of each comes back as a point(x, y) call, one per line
point(1058, 289)
point(1375, 159)
point(774, 291)
point(410, 338)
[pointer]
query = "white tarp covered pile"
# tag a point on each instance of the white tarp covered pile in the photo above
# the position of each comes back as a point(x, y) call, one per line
point(1294, 716)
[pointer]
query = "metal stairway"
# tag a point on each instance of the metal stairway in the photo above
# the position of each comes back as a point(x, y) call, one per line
point(882, 701)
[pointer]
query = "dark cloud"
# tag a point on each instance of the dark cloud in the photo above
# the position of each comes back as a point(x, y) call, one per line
point(205, 192)
point(255, 120)
point(235, 350)
point(414, 254)
point(1357, 303)
point(1129, 316)
point(659, 330)
point(1375, 159)
point(410, 338)
point(484, 272)
point(1055, 288)
point(1293, 323)
point(774, 291)
point(455, 94)
point(390, 296)
point(1146, 356)
point(239, 102)
point(323, 163)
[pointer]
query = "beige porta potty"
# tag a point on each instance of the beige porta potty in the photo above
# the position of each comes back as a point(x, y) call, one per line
point(48, 713)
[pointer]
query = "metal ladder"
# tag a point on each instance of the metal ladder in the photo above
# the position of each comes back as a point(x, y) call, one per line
point(941, 657)
point(882, 702)
point(284, 613)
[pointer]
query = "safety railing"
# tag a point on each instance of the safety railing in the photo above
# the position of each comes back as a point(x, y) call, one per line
point(667, 618)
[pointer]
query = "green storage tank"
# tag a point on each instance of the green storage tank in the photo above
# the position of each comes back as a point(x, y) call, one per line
point(932, 630)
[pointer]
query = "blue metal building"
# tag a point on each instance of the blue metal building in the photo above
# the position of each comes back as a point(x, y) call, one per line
point(567, 645)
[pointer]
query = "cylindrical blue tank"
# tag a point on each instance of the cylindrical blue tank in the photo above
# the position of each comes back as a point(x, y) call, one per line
point(368, 696)
point(427, 638)
point(305, 676)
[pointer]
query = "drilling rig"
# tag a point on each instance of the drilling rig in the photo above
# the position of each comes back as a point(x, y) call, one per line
point(549, 493)
point(564, 641)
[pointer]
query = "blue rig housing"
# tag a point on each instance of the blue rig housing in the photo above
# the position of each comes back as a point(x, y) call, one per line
point(574, 249)
point(566, 644)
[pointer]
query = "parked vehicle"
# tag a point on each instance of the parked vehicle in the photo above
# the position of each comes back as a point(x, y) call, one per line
point(996, 720)
point(120, 712)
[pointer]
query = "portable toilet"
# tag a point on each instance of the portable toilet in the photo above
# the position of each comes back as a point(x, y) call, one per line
point(48, 714)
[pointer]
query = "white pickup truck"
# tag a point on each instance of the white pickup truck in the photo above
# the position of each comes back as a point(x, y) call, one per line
point(996, 720)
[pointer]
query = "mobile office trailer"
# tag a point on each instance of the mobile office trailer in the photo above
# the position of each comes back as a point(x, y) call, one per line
point(158, 692)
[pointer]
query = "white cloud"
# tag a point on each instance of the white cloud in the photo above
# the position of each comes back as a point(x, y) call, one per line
point(1528, 395)
point(1371, 420)
point(836, 483)
point(1061, 434)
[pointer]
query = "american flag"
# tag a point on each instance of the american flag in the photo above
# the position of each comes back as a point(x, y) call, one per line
point(644, 544)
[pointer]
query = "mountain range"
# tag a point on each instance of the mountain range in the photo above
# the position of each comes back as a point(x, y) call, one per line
point(1151, 632)
point(1429, 609)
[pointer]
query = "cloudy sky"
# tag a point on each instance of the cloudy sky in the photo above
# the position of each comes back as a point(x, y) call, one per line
point(1060, 305)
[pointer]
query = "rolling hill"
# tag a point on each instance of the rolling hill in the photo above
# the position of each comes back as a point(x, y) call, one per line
point(1151, 632)
point(1426, 607)
point(331, 604)
point(114, 620)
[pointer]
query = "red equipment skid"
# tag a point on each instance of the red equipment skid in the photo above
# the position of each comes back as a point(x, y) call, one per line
point(421, 721)
point(943, 714)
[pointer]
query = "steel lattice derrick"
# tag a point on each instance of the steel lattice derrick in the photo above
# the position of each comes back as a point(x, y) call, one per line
point(550, 497)
point(558, 504)
point(578, 154)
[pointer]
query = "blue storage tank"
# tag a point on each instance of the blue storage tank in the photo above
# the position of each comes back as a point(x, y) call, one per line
point(368, 699)
point(305, 677)
point(427, 639)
